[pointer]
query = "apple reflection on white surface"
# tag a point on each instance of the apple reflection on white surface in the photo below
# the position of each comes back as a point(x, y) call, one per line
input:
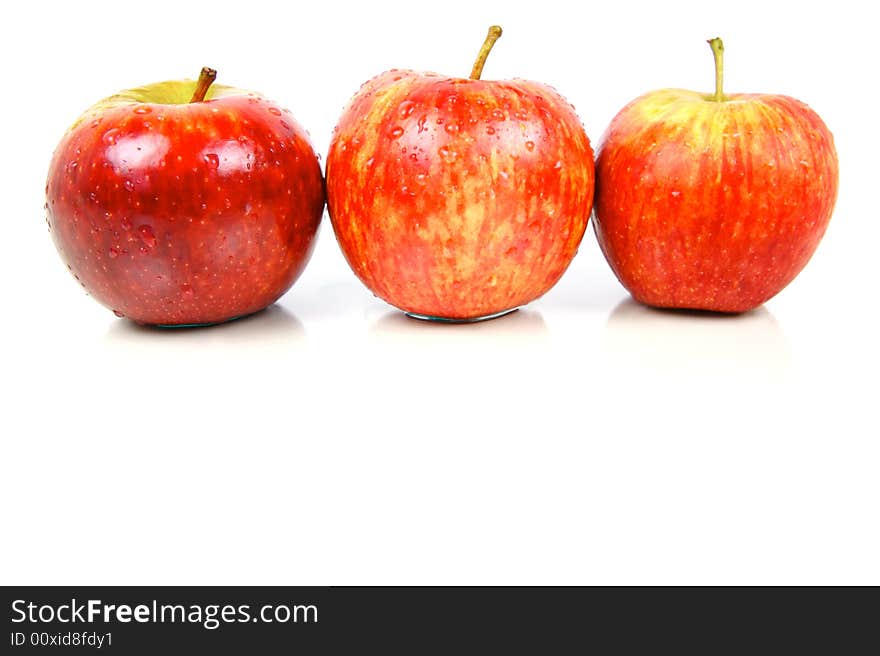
point(273, 327)
point(515, 325)
point(694, 345)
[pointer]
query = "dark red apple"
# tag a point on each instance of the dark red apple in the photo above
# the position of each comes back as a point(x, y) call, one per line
point(183, 203)
point(456, 198)
point(713, 201)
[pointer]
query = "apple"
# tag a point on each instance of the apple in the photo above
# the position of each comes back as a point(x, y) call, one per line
point(713, 202)
point(458, 198)
point(185, 203)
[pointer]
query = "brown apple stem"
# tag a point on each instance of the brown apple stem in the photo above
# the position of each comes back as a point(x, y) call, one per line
point(718, 52)
point(206, 79)
point(491, 38)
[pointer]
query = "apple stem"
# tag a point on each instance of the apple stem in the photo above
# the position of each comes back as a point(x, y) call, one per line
point(717, 46)
point(206, 79)
point(491, 38)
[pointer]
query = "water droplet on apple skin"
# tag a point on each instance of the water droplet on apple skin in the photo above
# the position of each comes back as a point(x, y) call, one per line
point(396, 133)
point(128, 184)
point(406, 108)
point(274, 110)
point(212, 160)
point(147, 236)
point(448, 154)
point(530, 145)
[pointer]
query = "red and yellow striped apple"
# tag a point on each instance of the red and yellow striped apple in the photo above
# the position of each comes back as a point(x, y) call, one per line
point(713, 202)
point(183, 203)
point(459, 198)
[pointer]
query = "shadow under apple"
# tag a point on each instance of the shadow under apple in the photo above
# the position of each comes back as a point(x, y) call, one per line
point(273, 326)
point(685, 343)
point(514, 326)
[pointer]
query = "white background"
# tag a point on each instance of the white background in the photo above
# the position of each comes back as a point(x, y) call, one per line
point(330, 440)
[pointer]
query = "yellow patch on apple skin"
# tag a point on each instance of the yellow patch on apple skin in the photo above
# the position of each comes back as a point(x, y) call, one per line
point(436, 200)
point(169, 94)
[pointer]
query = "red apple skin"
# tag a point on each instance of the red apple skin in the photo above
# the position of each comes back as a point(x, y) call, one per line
point(185, 214)
point(713, 205)
point(457, 198)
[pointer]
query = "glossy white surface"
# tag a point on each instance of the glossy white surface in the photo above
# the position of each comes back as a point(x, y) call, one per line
point(331, 440)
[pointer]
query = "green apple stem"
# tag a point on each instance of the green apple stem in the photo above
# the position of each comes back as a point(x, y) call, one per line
point(206, 79)
point(718, 52)
point(491, 38)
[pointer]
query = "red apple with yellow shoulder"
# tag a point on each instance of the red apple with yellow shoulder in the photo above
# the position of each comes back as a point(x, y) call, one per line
point(459, 198)
point(713, 201)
